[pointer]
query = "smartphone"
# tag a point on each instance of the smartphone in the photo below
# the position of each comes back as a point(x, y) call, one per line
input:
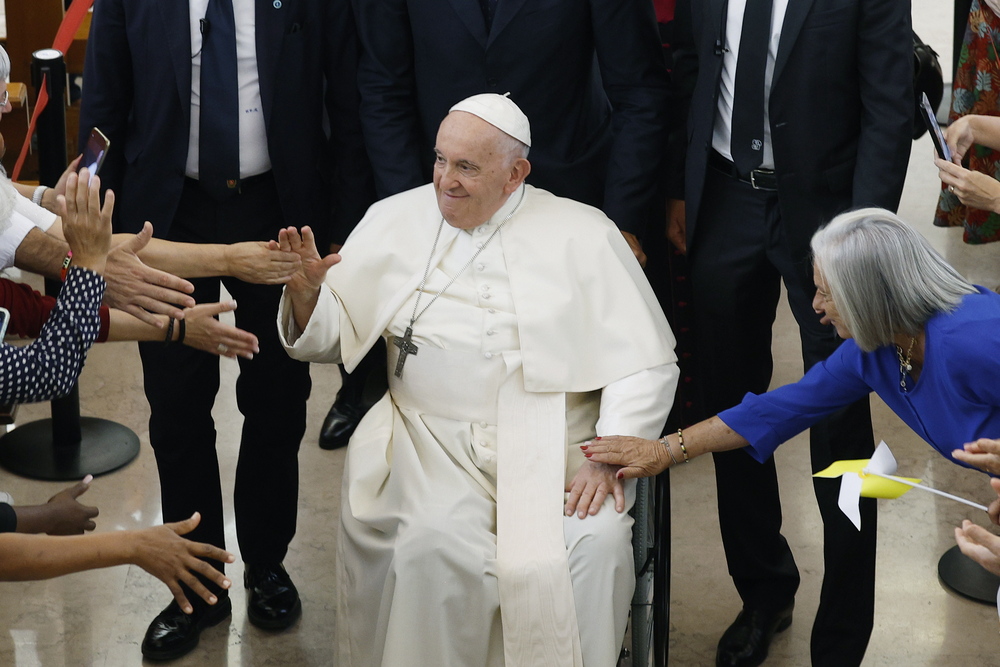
point(930, 119)
point(4, 320)
point(94, 151)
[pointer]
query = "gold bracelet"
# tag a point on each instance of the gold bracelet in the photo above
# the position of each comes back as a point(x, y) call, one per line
point(663, 441)
point(680, 441)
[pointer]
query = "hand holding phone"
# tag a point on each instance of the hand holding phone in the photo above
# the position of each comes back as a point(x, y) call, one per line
point(94, 152)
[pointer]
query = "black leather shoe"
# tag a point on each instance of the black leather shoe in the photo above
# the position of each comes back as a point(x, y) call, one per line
point(273, 602)
point(174, 633)
point(747, 640)
point(339, 425)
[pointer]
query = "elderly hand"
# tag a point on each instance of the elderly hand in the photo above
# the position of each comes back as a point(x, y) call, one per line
point(50, 198)
point(636, 246)
point(204, 332)
point(972, 188)
point(677, 224)
point(261, 262)
point(312, 268)
point(140, 290)
point(591, 486)
point(173, 560)
point(85, 223)
point(980, 545)
point(983, 454)
point(636, 456)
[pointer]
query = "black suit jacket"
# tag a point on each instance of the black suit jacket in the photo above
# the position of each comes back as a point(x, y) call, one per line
point(138, 91)
point(841, 106)
point(598, 124)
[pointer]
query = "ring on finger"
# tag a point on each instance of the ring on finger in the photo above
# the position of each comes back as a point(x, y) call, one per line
point(951, 189)
point(223, 348)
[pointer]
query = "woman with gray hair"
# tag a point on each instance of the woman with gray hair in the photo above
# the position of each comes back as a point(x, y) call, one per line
point(916, 333)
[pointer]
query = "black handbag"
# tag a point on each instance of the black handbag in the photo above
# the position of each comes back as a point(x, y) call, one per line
point(927, 78)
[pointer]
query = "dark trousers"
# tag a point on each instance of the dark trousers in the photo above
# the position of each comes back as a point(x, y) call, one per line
point(739, 258)
point(181, 384)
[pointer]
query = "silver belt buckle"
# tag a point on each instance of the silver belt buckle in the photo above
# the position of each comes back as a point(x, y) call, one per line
point(753, 178)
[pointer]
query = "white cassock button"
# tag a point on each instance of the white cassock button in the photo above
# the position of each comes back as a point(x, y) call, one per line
point(483, 424)
point(490, 332)
point(480, 267)
point(486, 295)
point(491, 311)
point(482, 443)
point(479, 245)
point(488, 355)
point(485, 288)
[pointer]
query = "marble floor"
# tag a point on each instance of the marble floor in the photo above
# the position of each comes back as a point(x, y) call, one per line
point(98, 618)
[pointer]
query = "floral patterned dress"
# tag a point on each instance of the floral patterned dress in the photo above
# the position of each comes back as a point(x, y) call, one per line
point(975, 91)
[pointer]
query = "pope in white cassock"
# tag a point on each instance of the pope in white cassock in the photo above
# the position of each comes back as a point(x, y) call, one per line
point(519, 325)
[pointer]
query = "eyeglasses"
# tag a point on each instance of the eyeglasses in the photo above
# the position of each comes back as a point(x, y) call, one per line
point(5, 98)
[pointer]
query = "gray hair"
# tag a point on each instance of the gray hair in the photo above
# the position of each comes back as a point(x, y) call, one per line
point(884, 278)
point(4, 65)
point(511, 148)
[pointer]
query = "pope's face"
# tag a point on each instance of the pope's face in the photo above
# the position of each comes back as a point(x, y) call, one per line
point(472, 176)
point(825, 307)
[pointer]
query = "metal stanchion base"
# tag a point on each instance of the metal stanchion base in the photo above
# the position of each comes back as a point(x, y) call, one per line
point(106, 446)
point(966, 577)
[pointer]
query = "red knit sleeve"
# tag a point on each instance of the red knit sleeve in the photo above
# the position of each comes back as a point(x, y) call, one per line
point(28, 309)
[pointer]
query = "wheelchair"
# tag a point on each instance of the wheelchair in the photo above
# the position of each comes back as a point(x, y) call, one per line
point(649, 619)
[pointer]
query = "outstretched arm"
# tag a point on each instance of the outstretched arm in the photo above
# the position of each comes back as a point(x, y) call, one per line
point(302, 290)
point(160, 551)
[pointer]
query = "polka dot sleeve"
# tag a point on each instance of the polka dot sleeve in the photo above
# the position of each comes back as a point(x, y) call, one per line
point(49, 366)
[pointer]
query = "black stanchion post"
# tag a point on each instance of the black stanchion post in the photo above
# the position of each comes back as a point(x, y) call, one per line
point(66, 446)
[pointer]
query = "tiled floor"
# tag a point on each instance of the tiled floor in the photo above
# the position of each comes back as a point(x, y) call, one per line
point(98, 618)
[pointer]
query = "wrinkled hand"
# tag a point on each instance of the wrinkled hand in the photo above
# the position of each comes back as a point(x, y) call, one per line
point(959, 137)
point(173, 560)
point(636, 456)
point(67, 516)
point(636, 246)
point(85, 223)
point(260, 262)
point(140, 290)
point(312, 268)
point(677, 224)
point(204, 332)
point(980, 545)
point(972, 188)
point(591, 486)
point(994, 508)
point(60, 186)
point(983, 454)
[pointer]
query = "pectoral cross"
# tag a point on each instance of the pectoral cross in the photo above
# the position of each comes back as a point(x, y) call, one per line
point(406, 347)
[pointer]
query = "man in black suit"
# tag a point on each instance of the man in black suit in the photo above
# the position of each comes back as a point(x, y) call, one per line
point(215, 110)
point(796, 110)
point(588, 73)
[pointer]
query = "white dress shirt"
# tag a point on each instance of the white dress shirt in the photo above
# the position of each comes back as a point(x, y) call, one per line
point(254, 158)
point(722, 136)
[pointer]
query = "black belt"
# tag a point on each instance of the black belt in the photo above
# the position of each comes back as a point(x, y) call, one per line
point(759, 179)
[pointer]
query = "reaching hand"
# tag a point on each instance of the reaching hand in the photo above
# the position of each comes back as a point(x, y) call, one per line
point(204, 332)
point(263, 263)
point(983, 454)
point(972, 188)
point(636, 456)
point(85, 223)
point(60, 187)
point(980, 545)
point(173, 560)
point(140, 290)
point(312, 268)
point(67, 516)
point(591, 486)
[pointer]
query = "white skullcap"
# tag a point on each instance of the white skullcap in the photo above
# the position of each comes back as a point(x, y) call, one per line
point(500, 112)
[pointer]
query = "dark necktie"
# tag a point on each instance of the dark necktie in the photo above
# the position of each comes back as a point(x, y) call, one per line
point(748, 99)
point(489, 8)
point(219, 131)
